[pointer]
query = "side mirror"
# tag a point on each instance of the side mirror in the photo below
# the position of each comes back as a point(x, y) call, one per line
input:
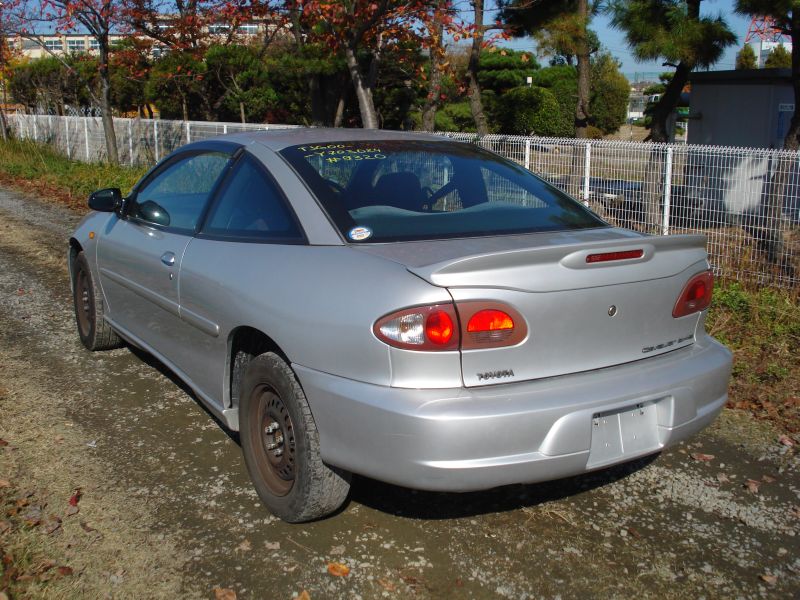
point(106, 200)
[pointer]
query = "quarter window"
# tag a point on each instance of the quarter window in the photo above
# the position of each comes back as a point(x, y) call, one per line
point(251, 206)
point(176, 196)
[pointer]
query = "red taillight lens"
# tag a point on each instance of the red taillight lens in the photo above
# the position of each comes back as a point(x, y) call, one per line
point(695, 296)
point(609, 256)
point(439, 327)
point(420, 328)
point(490, 325)
point(490, 320)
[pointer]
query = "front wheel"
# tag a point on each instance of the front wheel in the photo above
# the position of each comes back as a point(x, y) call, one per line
point(280, 444)
point(93, 330)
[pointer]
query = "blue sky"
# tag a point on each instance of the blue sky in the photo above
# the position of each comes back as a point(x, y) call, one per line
point(614, 40)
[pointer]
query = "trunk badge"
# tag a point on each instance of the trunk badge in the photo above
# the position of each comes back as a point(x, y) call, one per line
point(612, 310)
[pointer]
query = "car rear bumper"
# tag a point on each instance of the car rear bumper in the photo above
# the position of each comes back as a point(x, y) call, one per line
point(478, 438)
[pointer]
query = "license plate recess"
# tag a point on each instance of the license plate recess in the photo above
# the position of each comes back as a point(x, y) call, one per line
point(626, 432)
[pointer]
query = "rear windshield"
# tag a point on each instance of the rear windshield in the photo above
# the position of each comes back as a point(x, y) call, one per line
point(380, 191)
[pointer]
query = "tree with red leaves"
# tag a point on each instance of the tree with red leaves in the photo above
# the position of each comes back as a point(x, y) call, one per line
point(194, 25)
point(97, 18)
point(440, 23)
point(366, 27)
point(7, 52)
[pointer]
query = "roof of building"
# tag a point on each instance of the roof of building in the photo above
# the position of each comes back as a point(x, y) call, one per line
point(742, 76)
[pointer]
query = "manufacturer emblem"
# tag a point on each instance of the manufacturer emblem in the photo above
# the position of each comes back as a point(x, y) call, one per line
point(495, 374)
point(612, 310)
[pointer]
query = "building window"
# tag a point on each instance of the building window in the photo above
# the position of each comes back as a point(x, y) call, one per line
point(54, 45)
point(94, 44)
point(76, 45)
point(249, 29)
point(219, 28)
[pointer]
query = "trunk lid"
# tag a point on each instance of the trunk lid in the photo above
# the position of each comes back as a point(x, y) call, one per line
point(580, 315)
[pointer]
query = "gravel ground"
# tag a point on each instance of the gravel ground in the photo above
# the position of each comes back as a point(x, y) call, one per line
point(166, 508)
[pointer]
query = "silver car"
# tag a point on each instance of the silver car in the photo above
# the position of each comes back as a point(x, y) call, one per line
point(401, 306)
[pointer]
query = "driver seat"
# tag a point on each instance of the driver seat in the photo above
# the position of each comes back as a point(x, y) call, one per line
point(401, 190)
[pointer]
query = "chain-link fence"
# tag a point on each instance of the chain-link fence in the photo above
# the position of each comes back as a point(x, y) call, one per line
point(139, 141)
point(745, 200)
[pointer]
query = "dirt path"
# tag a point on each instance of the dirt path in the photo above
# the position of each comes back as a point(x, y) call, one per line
point(166, 509)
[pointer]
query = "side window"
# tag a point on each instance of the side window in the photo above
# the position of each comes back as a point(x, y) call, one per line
point(176, 196)
point(249, 205)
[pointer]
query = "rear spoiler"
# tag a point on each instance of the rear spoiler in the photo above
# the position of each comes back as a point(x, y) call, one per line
point(560, 267)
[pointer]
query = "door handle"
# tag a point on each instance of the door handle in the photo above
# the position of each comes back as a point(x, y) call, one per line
point(168, 258)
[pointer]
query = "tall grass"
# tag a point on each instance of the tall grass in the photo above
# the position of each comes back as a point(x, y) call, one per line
point(37, 167)
point(761, 326)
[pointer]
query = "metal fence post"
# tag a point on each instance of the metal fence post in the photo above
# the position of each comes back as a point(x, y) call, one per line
point(130, 139)
point(667, 192)
point(66, 137)
point(35, 130)
point(86, 136)
point(586, 172)
point(155, 138)
point(528, 154)
point(225, 129)
point(188, 133)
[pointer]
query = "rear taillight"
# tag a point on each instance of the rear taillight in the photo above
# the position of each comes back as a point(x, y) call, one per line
point(468, 326)
point(695, 296)
point(490, 325)
point(431, 327)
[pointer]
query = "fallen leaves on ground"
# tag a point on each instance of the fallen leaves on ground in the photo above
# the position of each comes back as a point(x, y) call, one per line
point(770, 579)
point(76, 497)
point(245, 546)
point(786, 440)
point(85, 526)
point(224, 594)
point(387, 585)
point(752, 485)
point(338, 569)
point(699, 456)
point(304, 595)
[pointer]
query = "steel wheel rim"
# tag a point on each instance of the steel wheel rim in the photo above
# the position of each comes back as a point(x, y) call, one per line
point(275, 445)
point(83, 303)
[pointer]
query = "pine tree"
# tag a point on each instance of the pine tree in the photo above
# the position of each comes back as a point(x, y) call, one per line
point(746, 58)
point(779, 58)
point(674, 31)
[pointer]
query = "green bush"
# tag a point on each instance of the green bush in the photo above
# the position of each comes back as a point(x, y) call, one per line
point(529, 110)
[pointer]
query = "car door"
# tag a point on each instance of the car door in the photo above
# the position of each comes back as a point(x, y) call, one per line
point(249, 227)
point(139, 256)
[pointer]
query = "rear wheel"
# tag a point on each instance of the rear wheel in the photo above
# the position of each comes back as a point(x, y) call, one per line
point(280, 444)
point(93, 330)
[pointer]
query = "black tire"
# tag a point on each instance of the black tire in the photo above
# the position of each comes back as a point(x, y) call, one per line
point(280, 444)
point(93, 330)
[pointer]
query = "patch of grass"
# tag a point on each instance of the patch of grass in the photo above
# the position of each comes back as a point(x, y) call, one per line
point(762, 328)
point(39, 170)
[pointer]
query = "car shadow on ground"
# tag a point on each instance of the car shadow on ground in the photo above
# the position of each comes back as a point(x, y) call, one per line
point(418, 504)
point(156, 364)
